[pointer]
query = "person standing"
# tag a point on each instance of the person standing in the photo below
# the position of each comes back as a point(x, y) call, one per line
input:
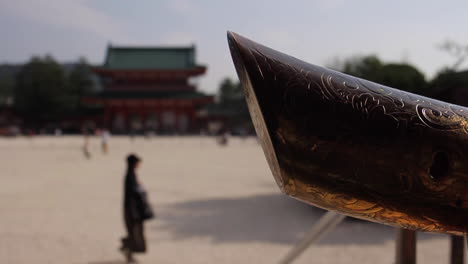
point(105, 135)
point(87, 131)
point(136, 211)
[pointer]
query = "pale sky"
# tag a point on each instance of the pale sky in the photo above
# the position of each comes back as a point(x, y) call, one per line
point(314, 31)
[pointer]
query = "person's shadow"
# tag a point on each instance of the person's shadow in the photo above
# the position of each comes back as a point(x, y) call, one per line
point(109, 262)
point(273, 218)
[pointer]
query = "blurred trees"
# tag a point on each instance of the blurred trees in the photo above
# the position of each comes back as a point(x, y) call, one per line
point(230, 94)
point(79, 82)
point(7, 82)
point(43, 91)
point(449, 79)
point(231, 104)
point(458, 51)
point(40, 89)
point(366, 67)
point(402, 76)
point(450, 86)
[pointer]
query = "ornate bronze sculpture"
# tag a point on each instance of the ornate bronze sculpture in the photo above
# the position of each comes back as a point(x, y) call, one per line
point(347, 144)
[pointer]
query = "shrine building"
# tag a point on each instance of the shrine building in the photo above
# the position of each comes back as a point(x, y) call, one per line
point(150, 89)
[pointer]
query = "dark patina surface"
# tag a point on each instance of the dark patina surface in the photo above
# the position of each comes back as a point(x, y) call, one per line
point(347, 144)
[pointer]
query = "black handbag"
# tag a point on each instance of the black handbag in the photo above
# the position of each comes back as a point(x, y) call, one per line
point(145, 210)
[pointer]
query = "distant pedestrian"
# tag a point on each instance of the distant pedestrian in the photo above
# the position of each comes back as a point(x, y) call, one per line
point(105, 135)
point(223, 138)
point(58, 132)
point(132, 134)
point(149, 134)
point(86, 133)
point(136, 210)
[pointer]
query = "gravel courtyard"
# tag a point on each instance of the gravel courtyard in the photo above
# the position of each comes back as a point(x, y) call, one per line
point(214, 205)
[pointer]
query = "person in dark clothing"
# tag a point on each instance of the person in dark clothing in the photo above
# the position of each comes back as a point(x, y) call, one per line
point(136, 211)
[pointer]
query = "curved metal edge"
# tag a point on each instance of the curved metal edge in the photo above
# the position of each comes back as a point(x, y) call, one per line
point(254, 109)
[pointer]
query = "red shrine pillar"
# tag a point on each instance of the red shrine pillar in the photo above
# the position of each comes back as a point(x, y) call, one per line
point(141, 114)
point(106, 122)
point(176, 110)
point(193, 124)
point(156, 113)
point(126, 118)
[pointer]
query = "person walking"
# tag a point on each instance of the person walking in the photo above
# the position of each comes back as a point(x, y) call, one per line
point(136, 210)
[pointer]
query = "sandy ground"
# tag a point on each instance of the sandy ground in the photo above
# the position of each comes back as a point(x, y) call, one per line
point(214, 205)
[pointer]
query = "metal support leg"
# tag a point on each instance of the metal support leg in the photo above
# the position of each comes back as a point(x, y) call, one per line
point(457, 250)
point(405, 246)
point(325, 225)
point(466, 247)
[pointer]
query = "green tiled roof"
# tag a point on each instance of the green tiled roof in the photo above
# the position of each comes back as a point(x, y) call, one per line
point(150, 58)
point(151, 94)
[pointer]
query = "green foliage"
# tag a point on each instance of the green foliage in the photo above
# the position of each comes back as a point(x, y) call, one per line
point(39, 91)
point(403, 76)
point(6, 90)
point(231, 102)
point(44, 92)
point(229, 92)
point(448, 78)
point(398, 75)
point(367, 67)
point(450, 86)
point(79, 82)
